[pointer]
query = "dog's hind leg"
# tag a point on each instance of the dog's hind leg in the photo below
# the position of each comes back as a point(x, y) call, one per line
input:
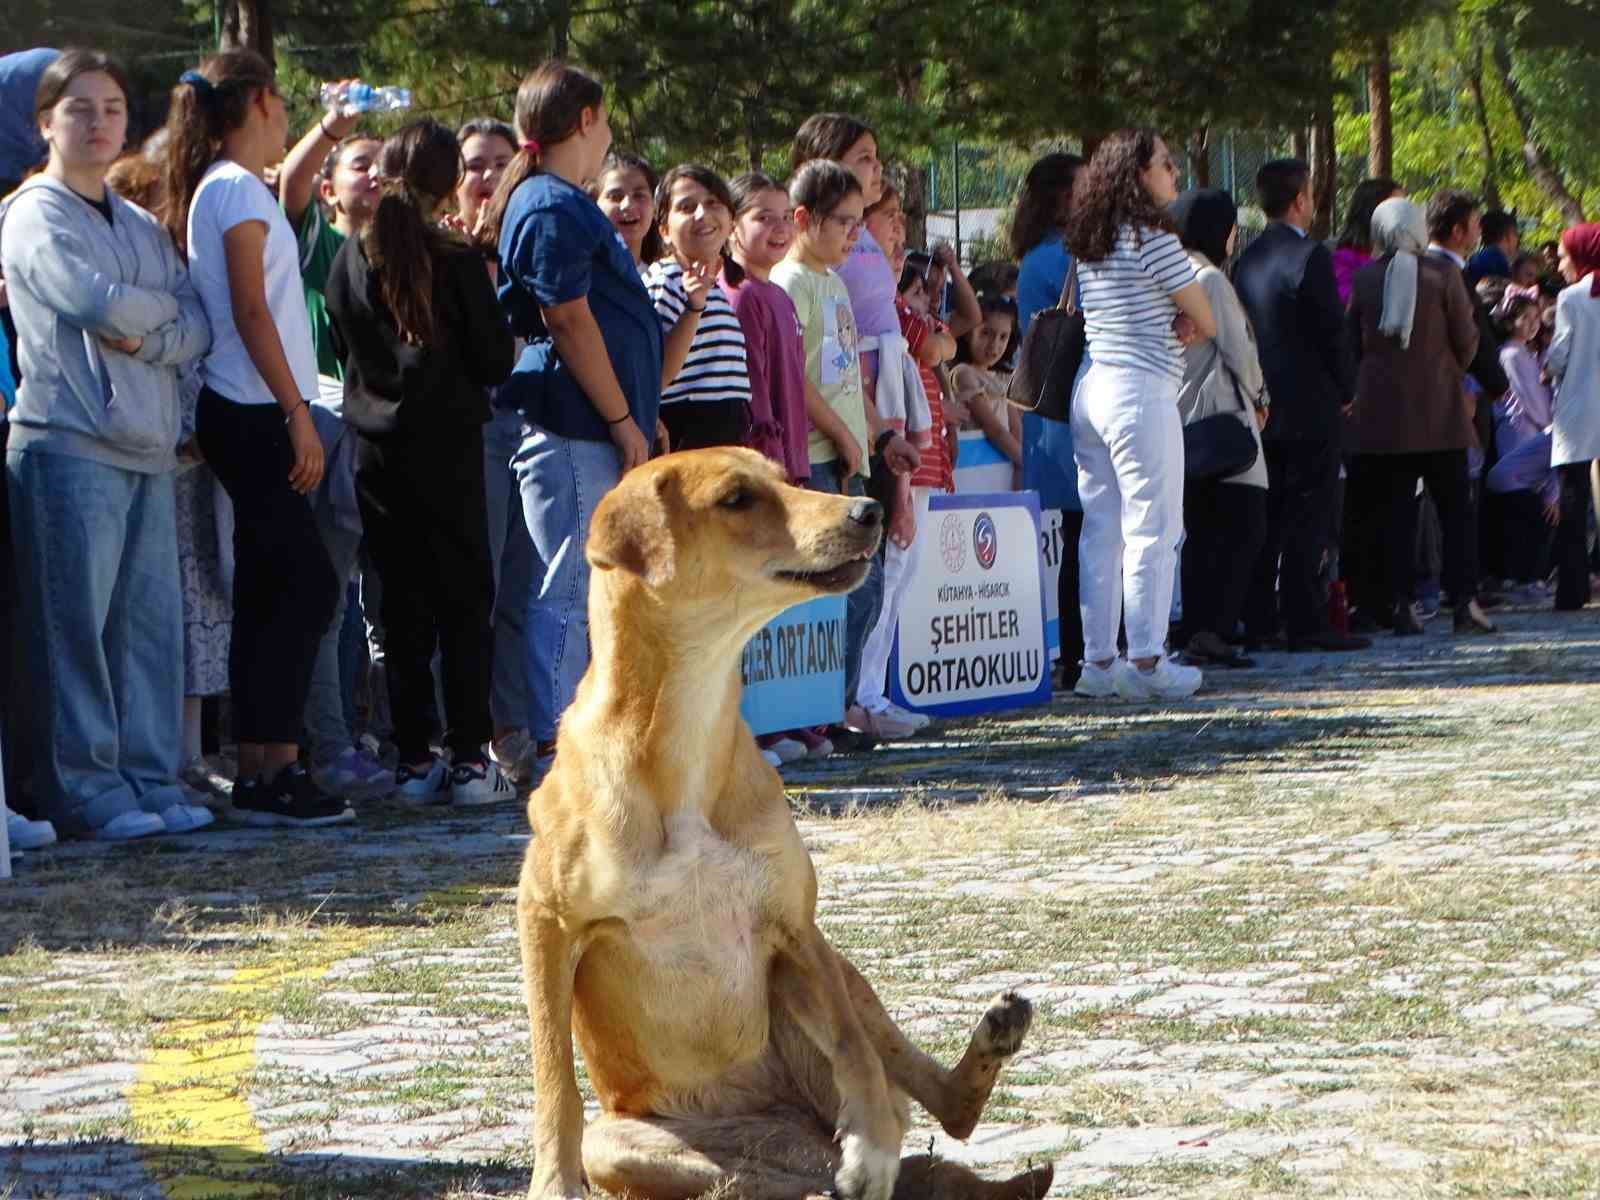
point(927, 1178)
point(955, 1098)
point(766, 1157)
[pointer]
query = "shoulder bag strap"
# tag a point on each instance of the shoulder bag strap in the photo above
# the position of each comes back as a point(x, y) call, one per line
point(1069, 302)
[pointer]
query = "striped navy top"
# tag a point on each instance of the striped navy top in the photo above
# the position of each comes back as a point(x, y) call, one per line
point(716, 370)
point(1127, 302)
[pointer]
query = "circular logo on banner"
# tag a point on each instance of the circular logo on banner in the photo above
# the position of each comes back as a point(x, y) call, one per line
point(952, 546)
point(985, 540)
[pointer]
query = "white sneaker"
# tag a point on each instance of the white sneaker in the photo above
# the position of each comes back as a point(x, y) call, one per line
point(429, 785)
point(473, 784)
point(883, 726)
point(24, 834)
point(1095, 683)
point(1167, 680)
point(513, 753)
point(130, 825)
point(919, 721)
point(185, 818)
point(788, 749)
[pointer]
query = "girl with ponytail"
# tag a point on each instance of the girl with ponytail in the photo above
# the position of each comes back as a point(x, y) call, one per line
point(225, 126)
point(588, 385)
point(423, 339)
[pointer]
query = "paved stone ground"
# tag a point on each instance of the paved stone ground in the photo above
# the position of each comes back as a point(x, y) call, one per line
point(1332, 928)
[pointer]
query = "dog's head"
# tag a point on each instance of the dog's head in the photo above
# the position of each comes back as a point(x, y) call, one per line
point(713, 525)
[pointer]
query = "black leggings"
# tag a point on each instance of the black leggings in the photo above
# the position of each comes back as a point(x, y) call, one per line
point(284, 590)
point(1226, 525)
point(1572, 537)
point(427, 529)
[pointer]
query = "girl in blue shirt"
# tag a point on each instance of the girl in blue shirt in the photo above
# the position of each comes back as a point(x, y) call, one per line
point(588, 385)
point(1048, 466)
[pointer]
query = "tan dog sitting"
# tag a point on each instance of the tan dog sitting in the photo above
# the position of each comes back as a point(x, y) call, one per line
point(667, 904)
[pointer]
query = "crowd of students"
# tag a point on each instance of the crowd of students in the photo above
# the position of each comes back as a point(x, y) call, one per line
point(267, 398)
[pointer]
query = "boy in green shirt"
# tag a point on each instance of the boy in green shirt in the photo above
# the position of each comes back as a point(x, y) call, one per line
point(341, 169)
point(332, 166)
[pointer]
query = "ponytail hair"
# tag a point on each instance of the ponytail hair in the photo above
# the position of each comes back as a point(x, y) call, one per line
point(206, 106)
point(826, 135)
point(743, 191)
point(420, 166)
point(550, 106)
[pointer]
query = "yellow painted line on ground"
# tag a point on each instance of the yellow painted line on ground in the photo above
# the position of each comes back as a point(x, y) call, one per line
point(189, 1107)
point(188, 1104)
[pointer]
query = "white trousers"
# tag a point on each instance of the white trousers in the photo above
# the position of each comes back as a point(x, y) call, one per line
point(1128, 442)
point(899, 568)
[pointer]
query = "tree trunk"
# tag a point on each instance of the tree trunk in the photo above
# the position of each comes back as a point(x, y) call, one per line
point(560, 28)
point(1324, 163)
point(247, 25)
point(1299, 145)
point(1087, 75)
point(912, 181)
point(1200, 157)
point(1544, 172)
point(1380, 108)
point(1474, 73)
point(911, 177)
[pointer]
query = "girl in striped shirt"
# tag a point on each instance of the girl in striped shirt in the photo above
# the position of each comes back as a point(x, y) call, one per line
point(705, 379)
point(1135, 280)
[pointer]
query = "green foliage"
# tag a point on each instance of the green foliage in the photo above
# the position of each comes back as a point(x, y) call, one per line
point(726, 82)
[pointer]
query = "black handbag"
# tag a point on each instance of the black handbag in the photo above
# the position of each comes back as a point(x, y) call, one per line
point(1220, 445)
point(1048, 362)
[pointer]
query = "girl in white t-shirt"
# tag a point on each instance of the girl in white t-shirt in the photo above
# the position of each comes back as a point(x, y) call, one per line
point(225, 126)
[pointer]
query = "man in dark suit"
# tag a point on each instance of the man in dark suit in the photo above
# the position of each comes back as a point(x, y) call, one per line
point(1285, 280)
point(1453, 229)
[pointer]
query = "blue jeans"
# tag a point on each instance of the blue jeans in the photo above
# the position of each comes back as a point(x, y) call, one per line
point(327, 717)
point(861, 609)
point(101, 612)
point(561, 480)
point(515, 569)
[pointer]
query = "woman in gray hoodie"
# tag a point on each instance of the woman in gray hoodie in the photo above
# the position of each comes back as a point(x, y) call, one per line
point(105, 315)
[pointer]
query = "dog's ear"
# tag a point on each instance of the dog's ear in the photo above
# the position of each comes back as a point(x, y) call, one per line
point(630, 532)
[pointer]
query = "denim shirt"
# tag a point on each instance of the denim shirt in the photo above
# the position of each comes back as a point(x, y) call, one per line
point(557, 246)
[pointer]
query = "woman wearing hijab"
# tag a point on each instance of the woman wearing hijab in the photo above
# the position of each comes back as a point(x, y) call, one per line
point(1412, 325)
point(1574, 364)
point(1225, 520)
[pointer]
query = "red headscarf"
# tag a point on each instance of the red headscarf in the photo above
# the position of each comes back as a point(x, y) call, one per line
point(1582, 244)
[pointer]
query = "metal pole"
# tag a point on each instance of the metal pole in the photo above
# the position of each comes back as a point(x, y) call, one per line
point(955, 175)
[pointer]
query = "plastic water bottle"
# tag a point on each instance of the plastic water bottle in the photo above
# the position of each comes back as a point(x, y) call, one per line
point(348, 99)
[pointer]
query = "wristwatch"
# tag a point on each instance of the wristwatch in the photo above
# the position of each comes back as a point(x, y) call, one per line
point(884, 438)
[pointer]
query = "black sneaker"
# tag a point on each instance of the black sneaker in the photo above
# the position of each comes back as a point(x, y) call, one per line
point(292, 799)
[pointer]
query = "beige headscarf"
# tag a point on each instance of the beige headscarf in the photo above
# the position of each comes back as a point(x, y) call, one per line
point(1399, 226)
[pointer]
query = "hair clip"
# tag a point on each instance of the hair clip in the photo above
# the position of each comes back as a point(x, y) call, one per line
point(531, 146)
point(198, 82)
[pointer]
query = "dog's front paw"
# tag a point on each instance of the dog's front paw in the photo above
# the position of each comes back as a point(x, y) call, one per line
point(866, 1172)
point(1005, 1024)
point(542, 1188)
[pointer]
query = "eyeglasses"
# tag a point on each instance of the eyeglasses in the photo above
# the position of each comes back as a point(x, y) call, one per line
point(848, 224)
